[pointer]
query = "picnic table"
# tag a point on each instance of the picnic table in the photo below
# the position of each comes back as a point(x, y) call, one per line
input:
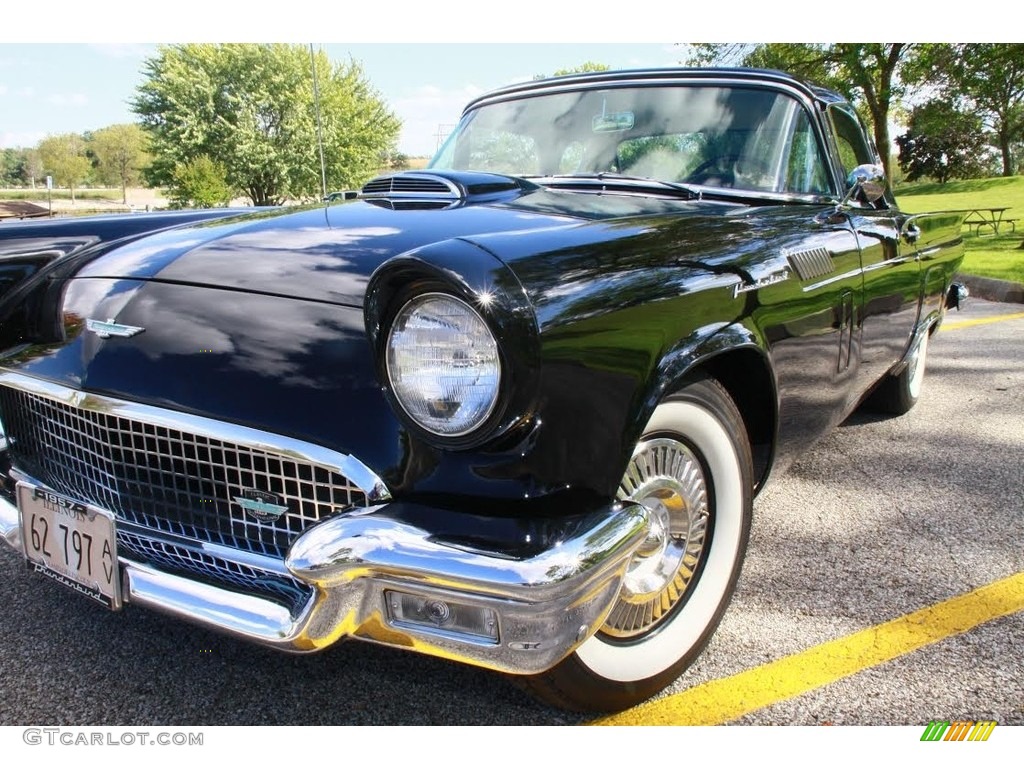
point(990, 218)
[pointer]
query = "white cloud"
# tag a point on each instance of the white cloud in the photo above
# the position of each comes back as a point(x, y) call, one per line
point(429, 111)
point(68, 100)
point(23, 92)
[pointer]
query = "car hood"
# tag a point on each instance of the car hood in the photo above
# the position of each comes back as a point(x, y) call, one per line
point(328, 254)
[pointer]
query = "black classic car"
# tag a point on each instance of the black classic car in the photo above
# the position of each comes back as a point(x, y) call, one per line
point(511, 410)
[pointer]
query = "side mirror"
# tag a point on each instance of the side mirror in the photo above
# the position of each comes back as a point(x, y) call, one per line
point(868, 180)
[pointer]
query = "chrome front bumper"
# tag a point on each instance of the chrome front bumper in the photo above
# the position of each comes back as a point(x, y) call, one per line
point(545, 605)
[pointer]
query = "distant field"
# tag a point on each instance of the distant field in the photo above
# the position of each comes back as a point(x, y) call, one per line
point(39, 195)
point(998, 256)
point(94, 200)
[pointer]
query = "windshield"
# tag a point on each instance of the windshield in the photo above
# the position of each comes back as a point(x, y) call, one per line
point(730, 138)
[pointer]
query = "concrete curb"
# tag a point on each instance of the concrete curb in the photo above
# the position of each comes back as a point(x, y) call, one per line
point(990, 289)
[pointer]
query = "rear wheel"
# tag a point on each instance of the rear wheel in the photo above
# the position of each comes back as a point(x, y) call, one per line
point(692, 470)
point(897, 394)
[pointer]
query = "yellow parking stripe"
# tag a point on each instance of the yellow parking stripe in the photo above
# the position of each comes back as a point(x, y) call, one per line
point(979, 321)
point(719, 701)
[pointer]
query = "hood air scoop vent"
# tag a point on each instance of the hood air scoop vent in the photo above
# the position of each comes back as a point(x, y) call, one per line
point(427, 190)
point(420, 186)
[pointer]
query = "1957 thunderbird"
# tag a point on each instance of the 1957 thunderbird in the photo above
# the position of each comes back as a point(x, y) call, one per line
point(511, 410)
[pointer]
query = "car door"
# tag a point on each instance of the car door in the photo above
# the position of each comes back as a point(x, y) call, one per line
point(891, 271)
point(812, 319)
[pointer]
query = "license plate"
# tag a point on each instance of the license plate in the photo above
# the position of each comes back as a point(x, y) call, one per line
point(72, 543)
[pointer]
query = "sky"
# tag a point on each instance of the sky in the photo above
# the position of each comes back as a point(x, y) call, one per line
point(64, 87)
point(68, 69)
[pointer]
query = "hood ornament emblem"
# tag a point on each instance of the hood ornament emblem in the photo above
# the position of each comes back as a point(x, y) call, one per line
point(107, 328)
point(260, 504)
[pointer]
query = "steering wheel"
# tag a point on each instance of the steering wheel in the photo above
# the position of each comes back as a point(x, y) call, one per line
point(718, 169)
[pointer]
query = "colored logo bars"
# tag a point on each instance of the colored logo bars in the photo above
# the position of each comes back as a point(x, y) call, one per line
point(959, 730)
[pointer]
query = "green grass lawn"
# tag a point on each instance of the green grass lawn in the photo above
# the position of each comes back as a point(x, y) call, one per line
point(998, 256)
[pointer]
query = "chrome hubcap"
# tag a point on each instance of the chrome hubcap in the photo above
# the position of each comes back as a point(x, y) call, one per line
point(668, 480)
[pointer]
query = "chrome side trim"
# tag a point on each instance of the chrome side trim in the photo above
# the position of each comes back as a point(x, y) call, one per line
point(352, 468)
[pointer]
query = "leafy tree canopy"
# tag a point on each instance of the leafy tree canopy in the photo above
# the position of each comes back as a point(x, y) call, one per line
point(987, 78)
point(120, 152)
point(942, 143)
point(199, 183)
point(11, 165)
point(873, 76)
point(250, 109)
point(63, 157)
point(587, 66)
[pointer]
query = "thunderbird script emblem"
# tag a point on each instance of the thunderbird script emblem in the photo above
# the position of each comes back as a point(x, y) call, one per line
point(107, 328)
point(261, 505)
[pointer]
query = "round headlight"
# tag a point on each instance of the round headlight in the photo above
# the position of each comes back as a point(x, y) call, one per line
point(443, 364)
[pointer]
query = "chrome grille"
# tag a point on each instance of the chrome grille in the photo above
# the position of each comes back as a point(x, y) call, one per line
point(166, 479)
point(189, 562)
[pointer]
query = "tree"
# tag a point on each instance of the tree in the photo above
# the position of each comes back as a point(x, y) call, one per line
point(988, 77)
point(32, 167)
point(64, 158)
point(120, 152)
point(199, 183)
point(587, 66)
point(10, 166)
point(942, 143)
point(251, 109)
point(868, 74)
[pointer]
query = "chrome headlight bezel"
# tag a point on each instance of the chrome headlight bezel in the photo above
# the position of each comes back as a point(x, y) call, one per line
point(485, 342)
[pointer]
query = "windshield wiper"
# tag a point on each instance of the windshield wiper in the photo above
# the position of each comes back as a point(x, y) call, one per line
point(618, 181)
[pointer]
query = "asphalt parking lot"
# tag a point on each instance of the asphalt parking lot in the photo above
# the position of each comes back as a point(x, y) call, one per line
point(881, 520)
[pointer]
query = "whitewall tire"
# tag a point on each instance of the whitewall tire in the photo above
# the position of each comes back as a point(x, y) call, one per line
point(692, 470)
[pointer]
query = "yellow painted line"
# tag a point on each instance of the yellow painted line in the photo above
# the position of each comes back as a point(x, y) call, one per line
point(719, 701)
point(979, 321)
